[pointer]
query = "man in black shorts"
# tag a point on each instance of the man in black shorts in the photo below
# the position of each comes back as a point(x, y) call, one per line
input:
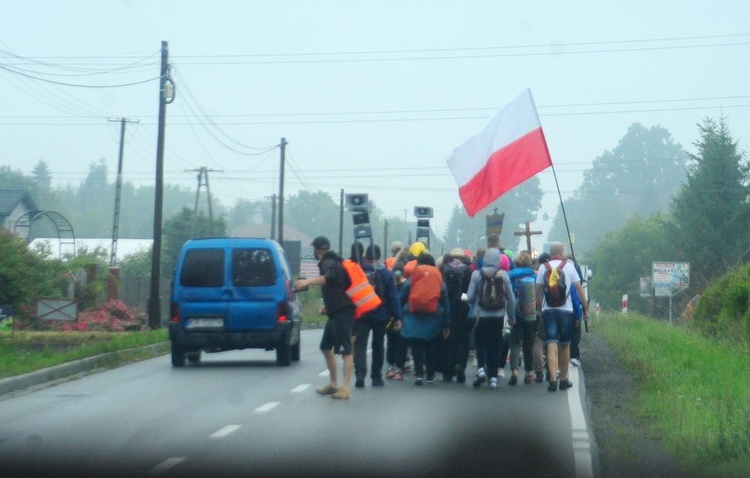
point(337, 334)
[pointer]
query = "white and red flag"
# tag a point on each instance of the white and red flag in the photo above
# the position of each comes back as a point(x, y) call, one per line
point(509, 149)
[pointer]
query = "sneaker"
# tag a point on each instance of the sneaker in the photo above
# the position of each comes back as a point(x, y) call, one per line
point(565, 384)
point(391, 373)
point(575, 362)
point(501, 373)
point(408, 366)
point(399, 375)
point(552, 387)
point(377, 382)
point(360, 382)
point(480, 378)
point(326, 390)
point(430, 378)
point(461, 376)
point(341, 394)
point(528, 379)
point(493, 382)
point(513, 379)
point(419, 381)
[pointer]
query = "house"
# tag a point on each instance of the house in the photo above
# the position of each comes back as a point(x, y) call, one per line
point(14, 203)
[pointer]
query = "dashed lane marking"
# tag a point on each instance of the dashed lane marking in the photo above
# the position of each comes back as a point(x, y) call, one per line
point(224, 431)
point(301, 388)
point(267, 407)
point(166, 465)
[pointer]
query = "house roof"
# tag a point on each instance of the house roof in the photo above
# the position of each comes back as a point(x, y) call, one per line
point(9, 199)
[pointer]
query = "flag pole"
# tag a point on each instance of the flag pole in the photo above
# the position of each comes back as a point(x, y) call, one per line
point(565, 217)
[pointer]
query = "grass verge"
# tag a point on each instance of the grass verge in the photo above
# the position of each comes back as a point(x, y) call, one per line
point(691, 389)
point(24, 352)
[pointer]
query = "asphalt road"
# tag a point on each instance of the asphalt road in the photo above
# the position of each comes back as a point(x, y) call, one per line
point(238, 414)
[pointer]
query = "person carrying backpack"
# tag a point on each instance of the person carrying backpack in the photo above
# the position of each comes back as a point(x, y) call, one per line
point(491, 295)
point(427, 314)
point(554, 282)
point(523, 279)
point(375, 321)
point(456, 276)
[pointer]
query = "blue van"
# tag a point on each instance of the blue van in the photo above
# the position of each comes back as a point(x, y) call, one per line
point(233, 293)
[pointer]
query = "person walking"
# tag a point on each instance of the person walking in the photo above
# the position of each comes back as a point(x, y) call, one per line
point(396, 247)
point(523, 279)
point(557, 312)
point(376, 321)
point(490, 314)
point(456, 276)
point(337, 334)
point(396, 347)
point(426, 315)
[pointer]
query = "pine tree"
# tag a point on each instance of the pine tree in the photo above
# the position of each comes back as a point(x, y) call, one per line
point(711, 215)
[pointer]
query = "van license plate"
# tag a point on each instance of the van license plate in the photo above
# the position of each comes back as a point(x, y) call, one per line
point(214, 323)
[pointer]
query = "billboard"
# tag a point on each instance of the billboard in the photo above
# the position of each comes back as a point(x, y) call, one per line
point(667, 277)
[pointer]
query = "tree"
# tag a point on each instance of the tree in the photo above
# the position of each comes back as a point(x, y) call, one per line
point(619, 259)
point(182, 227)
point(711, 215)
point(520, 204)
point(637, 177)
point(313, 214)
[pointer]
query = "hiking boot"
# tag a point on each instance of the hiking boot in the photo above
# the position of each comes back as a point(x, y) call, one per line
point(360, 382)
point(391, 373)
point(326, 390)
point(342, 394)
point(513, 379)
point(493, 382)
point(399, 375)
point(377, 382)
point(419, 381)
point(461, 376)
point(552, 387)
point(565, 384)
point(480, 378)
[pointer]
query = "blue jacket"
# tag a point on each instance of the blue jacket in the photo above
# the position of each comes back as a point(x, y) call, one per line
point(391, 306)
point(425, 326)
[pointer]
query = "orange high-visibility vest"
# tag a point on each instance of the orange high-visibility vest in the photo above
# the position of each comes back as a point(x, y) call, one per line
point(361, 292)
point(390, 261)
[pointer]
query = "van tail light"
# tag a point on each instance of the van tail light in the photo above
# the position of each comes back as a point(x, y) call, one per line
point(281, 312)
point(175, 312)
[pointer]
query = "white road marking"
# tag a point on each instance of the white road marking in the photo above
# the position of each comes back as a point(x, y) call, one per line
point(581, 438)
point(301, 388)
point(166, 465)
point(324, 373)
point(267, 407)
point(224, 431)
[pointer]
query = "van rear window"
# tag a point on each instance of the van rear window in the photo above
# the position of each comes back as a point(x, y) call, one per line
point(203, 268)
point(253, 267)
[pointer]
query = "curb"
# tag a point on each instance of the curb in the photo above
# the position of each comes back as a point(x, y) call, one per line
point(71, 370)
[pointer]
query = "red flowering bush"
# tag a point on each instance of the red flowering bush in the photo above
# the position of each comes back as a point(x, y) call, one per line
point(112, 316)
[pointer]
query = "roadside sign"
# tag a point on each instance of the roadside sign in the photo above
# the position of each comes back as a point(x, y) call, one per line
point(669, 276)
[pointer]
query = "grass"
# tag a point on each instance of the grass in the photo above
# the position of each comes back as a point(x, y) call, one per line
point(693, 390)
point(24, 352)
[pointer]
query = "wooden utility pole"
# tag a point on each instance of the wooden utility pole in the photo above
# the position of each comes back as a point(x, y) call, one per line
point(118, 193)
point(281, 191)
point(341, 223)
point(273, 216)
point(166, 96)
point(528, 233)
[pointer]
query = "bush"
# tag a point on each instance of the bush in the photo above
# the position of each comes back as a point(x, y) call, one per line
point(723, 310)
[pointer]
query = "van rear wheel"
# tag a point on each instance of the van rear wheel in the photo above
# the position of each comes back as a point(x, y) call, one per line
point(284, 351)
point(178, 356)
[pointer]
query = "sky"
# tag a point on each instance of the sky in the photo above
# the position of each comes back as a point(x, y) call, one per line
point(372, 96)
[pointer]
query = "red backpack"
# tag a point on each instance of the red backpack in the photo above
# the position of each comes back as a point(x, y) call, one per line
point(424, 292)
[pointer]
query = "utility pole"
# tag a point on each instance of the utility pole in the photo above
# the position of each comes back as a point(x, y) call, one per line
point(385, 235)
point(118, 192)
point(203, 180)
point(341, 223)
point(281, 191)
point(273, 216)
point(166, 96)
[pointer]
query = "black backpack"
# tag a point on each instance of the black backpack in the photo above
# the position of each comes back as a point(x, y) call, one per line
point(376, 280)
point(493, 292)
point(453, 277)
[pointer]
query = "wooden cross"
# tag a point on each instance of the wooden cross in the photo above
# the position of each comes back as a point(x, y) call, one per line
point(528, 233)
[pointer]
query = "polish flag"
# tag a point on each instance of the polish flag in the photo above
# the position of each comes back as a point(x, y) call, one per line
point(507, 151)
